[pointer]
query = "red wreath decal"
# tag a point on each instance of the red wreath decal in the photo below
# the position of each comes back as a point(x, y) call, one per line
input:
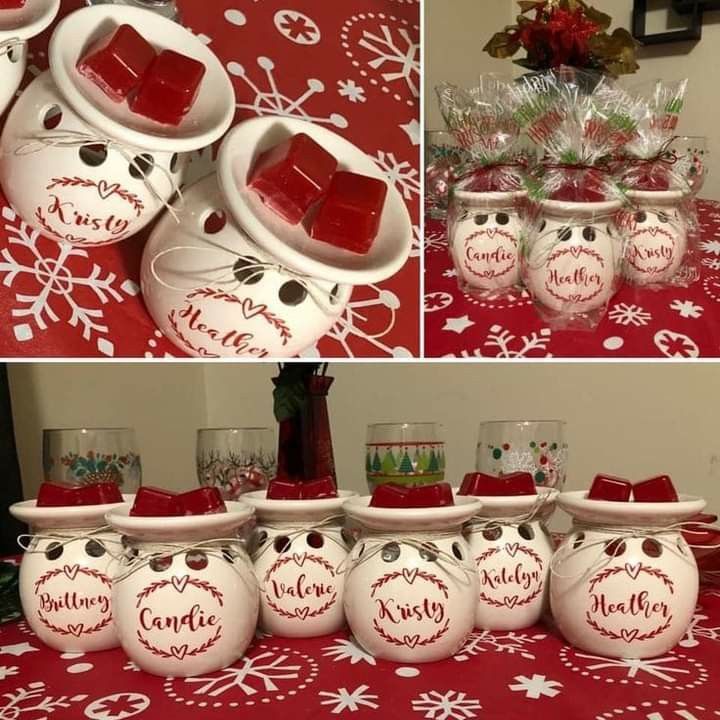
point(179, 583)
point(411, 641)
point(104, 189)
point(409, 576)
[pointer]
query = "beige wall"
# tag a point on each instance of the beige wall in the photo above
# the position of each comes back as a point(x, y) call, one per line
point(633, 420)
point(456, 31)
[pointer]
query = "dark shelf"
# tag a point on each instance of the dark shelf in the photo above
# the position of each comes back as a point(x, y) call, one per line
point(692, 33)
point(686, 7)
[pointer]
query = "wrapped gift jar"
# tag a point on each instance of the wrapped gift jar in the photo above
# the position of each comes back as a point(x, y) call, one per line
point(512, 550)
point(411, 583)
point(83, 169)
point(624, 582)
point(484, 235)
point(299, 551)
point(573, 257)
point(66, 575)
point(17, 26)
point(185, 595)
point(658, 236)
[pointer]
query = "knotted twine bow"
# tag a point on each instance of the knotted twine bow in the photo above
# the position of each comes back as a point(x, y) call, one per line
point(6, 46)
point(664, 535)
point(62, 138)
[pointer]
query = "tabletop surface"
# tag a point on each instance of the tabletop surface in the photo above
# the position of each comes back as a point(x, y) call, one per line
point(351, 66)
point(669, 323)
point(495, 675)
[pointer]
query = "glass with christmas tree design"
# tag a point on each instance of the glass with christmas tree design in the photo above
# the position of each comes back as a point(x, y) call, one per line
point(83, 456)
point(236, 460)
point(538, 447)
point(405, 454)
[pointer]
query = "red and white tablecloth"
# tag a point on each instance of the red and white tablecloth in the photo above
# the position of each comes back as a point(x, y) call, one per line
point(499, 675)
point(670, 323)
point(353, 66)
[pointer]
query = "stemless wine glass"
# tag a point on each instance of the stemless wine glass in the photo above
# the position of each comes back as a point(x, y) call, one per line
point(441, 156)
point(692, 156)
point(534, 446)
point(404, 453)
point(236, 460)
point(83, 456)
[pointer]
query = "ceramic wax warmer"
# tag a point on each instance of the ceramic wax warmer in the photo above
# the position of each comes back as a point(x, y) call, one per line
point(572, 266)
point(66, 575)
point(512, 550)
point(17, 26)
point(658, 237)
point(300, 553)
point(185, 596)
point(621, 585)
point(484, 235)
point(80, 168)
point(411, 584)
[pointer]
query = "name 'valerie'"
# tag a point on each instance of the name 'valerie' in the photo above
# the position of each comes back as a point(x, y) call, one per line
point(301, 589)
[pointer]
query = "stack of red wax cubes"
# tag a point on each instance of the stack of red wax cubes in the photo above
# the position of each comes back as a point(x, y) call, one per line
point(311, 490)
point(655, 489)
point(393, 495)
point(155, 502)
point(482, 484)
point(12, 4)
point(52, 494)
point(161, 86)
point(293, 177)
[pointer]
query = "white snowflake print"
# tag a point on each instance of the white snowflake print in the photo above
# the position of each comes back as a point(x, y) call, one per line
point(624, 314)
point(131, 666)
point(710, 246)
point(352, 701)
point(401, 174)
point(536, 686)
point(504, 341)
point(437, 301)
point(452, 705)
point(118, 706)
point(458, 324)
point(512, 643)
point(18, 649)
point(412, 130)
point(297, 27)
point(676, 345)
point(711, 263)
point(449, 273)
point(660, 668)
point(396, 56)
point(56, 284)
point(348, 649)
point(272, 101)
point(263, 670)
point(350, 90)
point(697, 632)
point(687, 309)
point(7, 670)
point(435, 241)
point(33, 701)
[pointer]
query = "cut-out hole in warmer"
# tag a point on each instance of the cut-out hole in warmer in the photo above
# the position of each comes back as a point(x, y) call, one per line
point(142, 166)
point(282, 544)
point(53, 551)
point(390, 552)
point(261, 538)
point(457, 551)
point(429, 552)
point(94, 154)
point(493, 532)
point(526, 531)
point(175, 163)
point(228, 554)
point(292, 293)
point(245, 273)
point(15, 53)
point(652, 548)
point(578, 540)
point(158, 563)
point(348, 537)
point(615, 548)
point(215, 221)
point(52, 117)
point(315, 540)
point(94, 549)
point(196, 560)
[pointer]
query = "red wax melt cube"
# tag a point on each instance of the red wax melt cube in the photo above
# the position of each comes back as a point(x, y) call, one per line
point(391, 495)
point(518, 483)
point(203, 501)
point(317, 489)
point(118, 62)
point(657, 489)
point(155, 502)
point(12, 4)
point(607, 487)
point(293, 176)
point(169, 88)
point(349, 217)
point(101, 493)
point(58, 495)
point(284, 490)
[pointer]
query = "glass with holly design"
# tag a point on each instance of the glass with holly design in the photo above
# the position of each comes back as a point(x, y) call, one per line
point(404, 453)
point(83, 456)
point(535, 446)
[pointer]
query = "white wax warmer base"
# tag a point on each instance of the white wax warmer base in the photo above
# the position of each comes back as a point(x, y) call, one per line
point(196, 300)
point(300, 569)
point(402, 602)
point(619, 596)
point(187, 611)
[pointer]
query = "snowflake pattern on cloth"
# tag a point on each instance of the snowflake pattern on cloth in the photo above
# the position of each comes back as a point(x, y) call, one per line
point(293, 62)
point(671, 322)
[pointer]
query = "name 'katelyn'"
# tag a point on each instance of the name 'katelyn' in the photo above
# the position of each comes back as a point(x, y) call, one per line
point(505, 576)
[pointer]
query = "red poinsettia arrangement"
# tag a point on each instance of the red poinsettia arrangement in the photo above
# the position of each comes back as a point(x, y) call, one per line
point(565, 32)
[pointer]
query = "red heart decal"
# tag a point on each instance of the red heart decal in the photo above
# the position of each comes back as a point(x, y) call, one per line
point(653, 230)
point(302, 613)
point(180, 583)
point(511, 548)
point(71, 571)
point(410, 575)
point(510, 602)
point(629, 635)
point(575, 298)
point(179, 652)
point(299, 558)
point(411, 640)
point(250, 310)
point(633, 569)
point(105, 190)
point(491, 232)
point(76, 630)
point(576, 251)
